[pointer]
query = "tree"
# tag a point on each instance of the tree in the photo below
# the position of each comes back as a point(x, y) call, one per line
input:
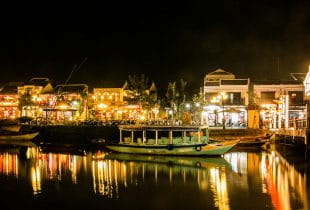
point(25, 101)
point(176, 97)
point(140, 92)
point(199, 104)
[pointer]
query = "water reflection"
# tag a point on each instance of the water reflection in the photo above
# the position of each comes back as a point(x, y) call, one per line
point(114, 170)
point(9, 164)
point(285, 185)
point(263, 179)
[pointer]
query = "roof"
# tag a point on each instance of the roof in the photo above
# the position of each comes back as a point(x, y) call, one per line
point(10, 88)
point(220, 72)
point(38, 81)
point(161, 127)
point(72, 88)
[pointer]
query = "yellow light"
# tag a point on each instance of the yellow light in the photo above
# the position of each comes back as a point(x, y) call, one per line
point(102, 106)
point(63, 106)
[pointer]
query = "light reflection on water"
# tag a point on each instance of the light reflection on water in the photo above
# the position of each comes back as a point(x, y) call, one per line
point(261, 176)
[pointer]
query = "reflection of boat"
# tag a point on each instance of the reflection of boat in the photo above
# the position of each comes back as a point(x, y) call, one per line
point(184, 161)
point(196, 144)
point(8, 135)
point(17, 143)
point(60, 148)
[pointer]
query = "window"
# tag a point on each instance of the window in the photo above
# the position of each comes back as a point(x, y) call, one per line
point(267, 97)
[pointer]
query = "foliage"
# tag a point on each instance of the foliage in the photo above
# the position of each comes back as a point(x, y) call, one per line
point(25, 100)
point(176, 96)
point(140, 92)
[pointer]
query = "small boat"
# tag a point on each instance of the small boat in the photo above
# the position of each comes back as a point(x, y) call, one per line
point(194, 144)
point(20, 136)
point(254, 142)
point(12, 128)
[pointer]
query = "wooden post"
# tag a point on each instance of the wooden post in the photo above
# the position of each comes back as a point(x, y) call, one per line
point(132, 136)
point(184, 136)
point(170, 137)
point(199, 140)
point(120, 136)
point(156, 136)
point(143, 137)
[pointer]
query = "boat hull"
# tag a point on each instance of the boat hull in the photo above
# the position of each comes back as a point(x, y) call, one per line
point(19, 137)
point(174, 150)
point(252, 143)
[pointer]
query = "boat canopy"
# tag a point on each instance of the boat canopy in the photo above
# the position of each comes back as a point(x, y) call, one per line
point(161, 128)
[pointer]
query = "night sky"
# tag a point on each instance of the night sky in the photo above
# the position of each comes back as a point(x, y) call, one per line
point(164, 41)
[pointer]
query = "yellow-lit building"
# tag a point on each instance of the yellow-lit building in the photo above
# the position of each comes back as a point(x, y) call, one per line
point(227, 99)
point(109, 104)
point(9, 101)
point(34, 96)
point(69, 104)
point(280, 102)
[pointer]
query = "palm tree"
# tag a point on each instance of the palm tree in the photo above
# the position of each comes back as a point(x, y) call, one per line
point(176, 97)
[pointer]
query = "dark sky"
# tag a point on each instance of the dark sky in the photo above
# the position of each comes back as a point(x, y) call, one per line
point(163, 41)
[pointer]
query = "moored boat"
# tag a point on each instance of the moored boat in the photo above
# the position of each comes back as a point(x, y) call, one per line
point(193, 141)
point(16, 136)
point(254, 141)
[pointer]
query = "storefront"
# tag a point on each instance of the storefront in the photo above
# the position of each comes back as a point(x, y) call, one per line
point(232, 116)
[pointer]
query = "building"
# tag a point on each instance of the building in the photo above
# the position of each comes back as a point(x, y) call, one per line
point(109, 104)
point(9, 101)
point(279, 102)
point(34, 95)
point(69, 104)
point(227, 98)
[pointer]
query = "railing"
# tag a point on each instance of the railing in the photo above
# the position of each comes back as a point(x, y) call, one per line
point(297, 127)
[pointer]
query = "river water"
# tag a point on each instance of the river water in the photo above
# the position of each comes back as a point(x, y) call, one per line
point(254, 179)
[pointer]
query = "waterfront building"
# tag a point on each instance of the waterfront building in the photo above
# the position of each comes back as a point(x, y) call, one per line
point(69, 104)
point(109, 104)
point(280, 102)
point(227, 99)
point(34, 95)
point(9, 101)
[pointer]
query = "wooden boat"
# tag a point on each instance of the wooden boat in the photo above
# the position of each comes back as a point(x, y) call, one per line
point(12, 128)
point(254, 142)
point(17, 136)
point(196, 144)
